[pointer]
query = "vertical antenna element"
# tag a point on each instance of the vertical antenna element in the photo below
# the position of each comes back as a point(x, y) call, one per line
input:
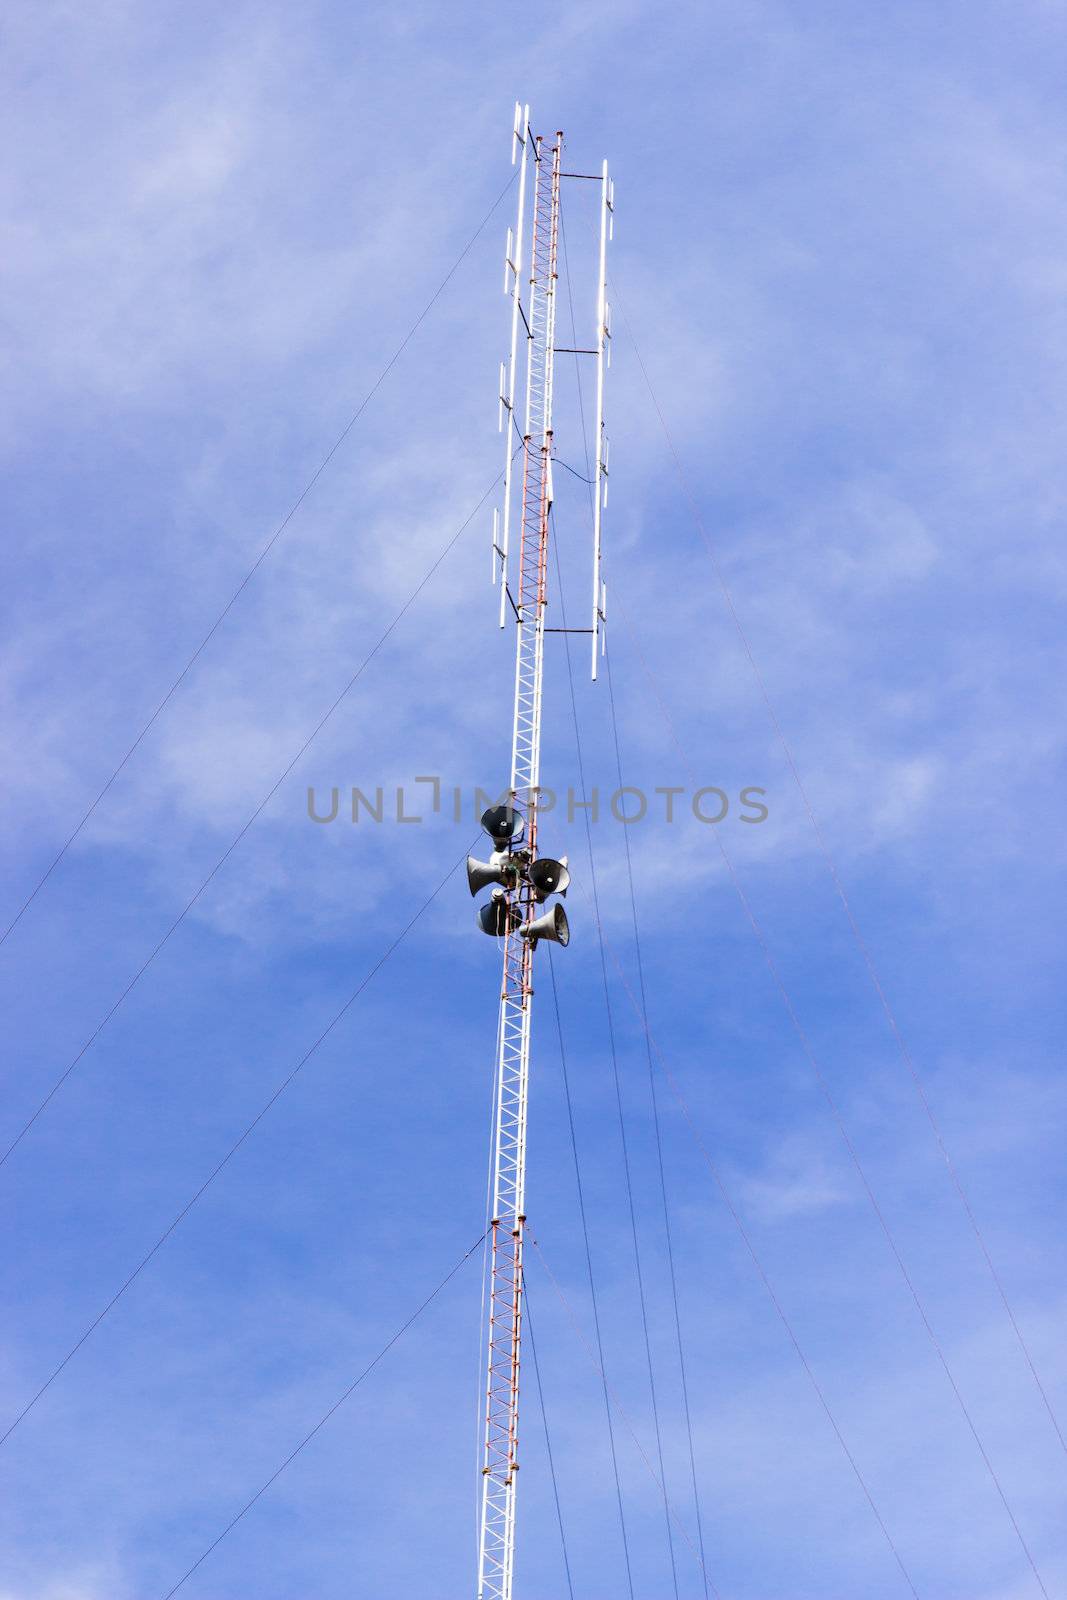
point(603, 358)
point(520, 142)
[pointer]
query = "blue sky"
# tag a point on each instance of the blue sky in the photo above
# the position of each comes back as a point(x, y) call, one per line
point(841, 246)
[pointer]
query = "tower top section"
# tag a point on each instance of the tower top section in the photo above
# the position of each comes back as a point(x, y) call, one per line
point(526, 377)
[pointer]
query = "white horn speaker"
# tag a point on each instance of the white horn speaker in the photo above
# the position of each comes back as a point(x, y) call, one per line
point(552, 925)
point(549, 877)
point(480, 874)
point(494, 916)
point(502, 824)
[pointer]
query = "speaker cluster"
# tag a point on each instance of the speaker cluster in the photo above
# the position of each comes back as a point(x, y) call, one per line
point(510, 866)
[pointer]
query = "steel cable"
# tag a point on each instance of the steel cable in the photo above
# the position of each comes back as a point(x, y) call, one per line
point(576, 1325)
point(642, 1299)
point(263, 554)
point(323, 1420)
point(603, 963)
point(772, 1294)
point(548, 1436)
point(850, 1147)
point(592, 1281)
point(831, 865)
point(232, 846)
point(667, 1228)
point(226, 1159)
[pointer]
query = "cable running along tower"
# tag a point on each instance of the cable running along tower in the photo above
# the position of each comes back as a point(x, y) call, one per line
point(521, 880)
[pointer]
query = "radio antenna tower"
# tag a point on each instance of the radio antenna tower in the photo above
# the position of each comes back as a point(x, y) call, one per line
point(522, 880)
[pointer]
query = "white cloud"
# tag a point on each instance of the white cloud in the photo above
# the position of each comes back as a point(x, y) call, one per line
point(80, 1587)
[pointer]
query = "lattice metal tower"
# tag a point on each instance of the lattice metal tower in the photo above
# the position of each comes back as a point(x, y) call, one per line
point(523, 880)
